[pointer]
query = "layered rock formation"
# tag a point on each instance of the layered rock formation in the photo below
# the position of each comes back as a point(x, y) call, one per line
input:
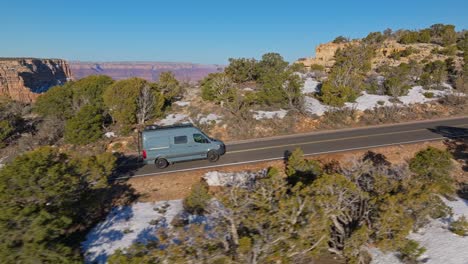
point(23, 79)
point(325, 54)
point(146, 70)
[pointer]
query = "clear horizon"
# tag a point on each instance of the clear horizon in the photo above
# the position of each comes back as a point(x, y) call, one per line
point(205, 32)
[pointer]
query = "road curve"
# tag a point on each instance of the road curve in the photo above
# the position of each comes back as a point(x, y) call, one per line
point(266, 149)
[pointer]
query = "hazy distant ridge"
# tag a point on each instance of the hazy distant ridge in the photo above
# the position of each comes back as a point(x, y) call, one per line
point(146, 70)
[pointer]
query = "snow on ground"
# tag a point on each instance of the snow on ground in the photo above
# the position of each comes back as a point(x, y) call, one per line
point(172, 119)
point(314, 106)
point(182, 103)
point(416, 95)
point(215, 178)
point(109, 134)
point(369, 101)
point(209, 119)
point(442, 245)
point(126, 225)
point(258, 115)
point(310, 86)
point(379, 257)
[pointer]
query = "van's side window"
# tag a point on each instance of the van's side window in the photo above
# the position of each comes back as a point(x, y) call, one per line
point(199, 138)
point(180, 140)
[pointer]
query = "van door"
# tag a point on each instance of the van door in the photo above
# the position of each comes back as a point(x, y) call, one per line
point(180, 147)
point(200, 144)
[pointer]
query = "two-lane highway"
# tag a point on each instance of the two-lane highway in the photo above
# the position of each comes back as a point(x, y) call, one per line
point(265, 149)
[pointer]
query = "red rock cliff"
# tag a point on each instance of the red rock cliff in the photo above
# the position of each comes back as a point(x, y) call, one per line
point(23, 79)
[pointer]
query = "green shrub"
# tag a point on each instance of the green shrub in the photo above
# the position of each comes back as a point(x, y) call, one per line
point(434, 74)
point(85, 127)
point(429, 94)
point(409, 37)
point(460, 226)
point(198, 199)
point(241, 70)
point(411, 251)
point(403, 53)
point(425, 36)
point(336, 96)
point(433, 167)
point(317, 67)
point(169, 86)
point(449, 50)
point(56, 102)
point(340, 39)
point(48, 201)
point(5, 131)
point(299, 169)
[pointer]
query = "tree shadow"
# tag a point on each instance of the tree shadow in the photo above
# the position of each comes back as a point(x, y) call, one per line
point(457, 142)
point(127, 166)
point(450, 132)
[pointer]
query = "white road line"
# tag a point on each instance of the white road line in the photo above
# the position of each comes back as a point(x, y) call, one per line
point(278, 158)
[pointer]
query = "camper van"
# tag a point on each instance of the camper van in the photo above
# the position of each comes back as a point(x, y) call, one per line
point(164, 145)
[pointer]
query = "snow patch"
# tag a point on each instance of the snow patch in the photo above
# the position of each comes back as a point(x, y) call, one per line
point(310, 86)
point(173, 119)
point(314, 106)
point(442, 245)
point(369, 101)
point(259, 115)
point(110, 134)
point(126, 225)
point(182, 103)
point(379, 257)
point(209, 119)
point(245, 178)
point(416, 95)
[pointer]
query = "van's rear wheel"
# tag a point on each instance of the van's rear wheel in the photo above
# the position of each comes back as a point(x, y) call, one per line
point(161, 163)
point(212, 156)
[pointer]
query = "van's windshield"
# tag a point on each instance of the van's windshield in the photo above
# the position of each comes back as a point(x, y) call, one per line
point(210, 138)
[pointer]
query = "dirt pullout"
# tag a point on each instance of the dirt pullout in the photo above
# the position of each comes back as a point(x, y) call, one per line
point(177, 185)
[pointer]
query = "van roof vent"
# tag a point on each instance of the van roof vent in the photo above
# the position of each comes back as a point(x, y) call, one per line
point(157, 127)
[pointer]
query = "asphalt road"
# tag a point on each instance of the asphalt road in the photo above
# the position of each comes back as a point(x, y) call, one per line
point(266, 149)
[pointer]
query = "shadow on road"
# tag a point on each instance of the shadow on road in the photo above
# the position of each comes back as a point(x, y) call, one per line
point(128, 165)
point(450, 132)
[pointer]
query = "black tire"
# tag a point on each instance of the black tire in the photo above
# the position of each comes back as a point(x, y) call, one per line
point(212, 156)
point(161, 163)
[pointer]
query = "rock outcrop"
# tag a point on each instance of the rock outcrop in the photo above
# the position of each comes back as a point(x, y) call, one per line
point(325, 54)
point(146, 70)
point(24, 79)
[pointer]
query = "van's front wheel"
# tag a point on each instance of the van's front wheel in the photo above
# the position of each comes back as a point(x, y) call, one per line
point(212, 156)
point(161, 163)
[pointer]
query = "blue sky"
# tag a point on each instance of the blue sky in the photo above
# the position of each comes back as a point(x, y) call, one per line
point(203, 31)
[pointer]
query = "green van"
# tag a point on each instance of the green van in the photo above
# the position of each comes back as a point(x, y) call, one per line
point(164, 145)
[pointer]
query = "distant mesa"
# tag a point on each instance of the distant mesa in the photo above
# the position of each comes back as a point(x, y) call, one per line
point(150, 71)
point(23, 79)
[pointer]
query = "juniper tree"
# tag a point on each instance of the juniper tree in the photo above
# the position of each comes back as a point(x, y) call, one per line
point(48, 197)
point(85, 127)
